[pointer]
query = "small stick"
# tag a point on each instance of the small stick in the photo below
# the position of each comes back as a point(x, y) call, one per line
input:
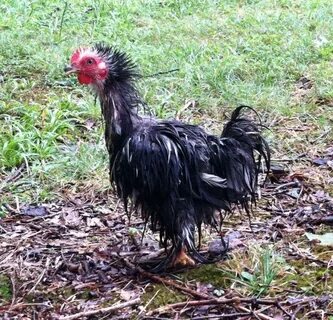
point(286, 185)
point(40, 277)
point(149, 302)
point(235, 315)
point(221, 301)
point(284, 310)
point(159, 73)
point(167, 282)
point(87, 313)
point(324, 220)
point(256, 314)
point(12, 280)
point(18, 306)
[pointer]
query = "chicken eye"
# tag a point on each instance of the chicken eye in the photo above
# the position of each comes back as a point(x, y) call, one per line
point(90, 61)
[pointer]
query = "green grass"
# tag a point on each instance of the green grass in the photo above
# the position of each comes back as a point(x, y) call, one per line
point(228, 53)
point(254, 272)
point(5, 290)
point(265, 265)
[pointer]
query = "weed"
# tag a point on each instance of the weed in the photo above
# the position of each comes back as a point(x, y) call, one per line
point(258, 272)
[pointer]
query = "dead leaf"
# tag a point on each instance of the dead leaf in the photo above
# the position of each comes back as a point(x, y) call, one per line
point(72, 217)
point(78, 234)
point(94, 222)
point(35, 211)
point(127, 294)
point(325, 239)
point(319, 161)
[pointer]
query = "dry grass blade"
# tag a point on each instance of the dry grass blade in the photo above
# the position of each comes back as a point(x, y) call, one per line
point(113, 308)
point(14, 176)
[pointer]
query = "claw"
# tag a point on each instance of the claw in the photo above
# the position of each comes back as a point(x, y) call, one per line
point(182, 259)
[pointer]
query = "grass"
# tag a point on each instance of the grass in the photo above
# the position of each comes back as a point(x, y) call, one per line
point(261, 270)
point(5, 289)
point(228, 53)
point(253, 272)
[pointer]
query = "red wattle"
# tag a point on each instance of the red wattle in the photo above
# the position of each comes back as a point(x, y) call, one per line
point(84, 79)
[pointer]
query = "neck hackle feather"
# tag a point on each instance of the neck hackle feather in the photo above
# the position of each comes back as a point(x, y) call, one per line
point(175, 174)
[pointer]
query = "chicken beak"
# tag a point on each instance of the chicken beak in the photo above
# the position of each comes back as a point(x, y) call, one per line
point(70, 69)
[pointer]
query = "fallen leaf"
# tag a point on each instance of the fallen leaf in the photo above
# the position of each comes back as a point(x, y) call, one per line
point(325, 239)
point(72, 217)
point(78, 234)
point(35, 211)
point(127, 295)
point(94, 222)
point(319, 161)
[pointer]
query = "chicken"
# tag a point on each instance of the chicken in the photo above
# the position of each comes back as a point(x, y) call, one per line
point(175, 174)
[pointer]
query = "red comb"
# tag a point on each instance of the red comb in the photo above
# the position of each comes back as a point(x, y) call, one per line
point(76, 55)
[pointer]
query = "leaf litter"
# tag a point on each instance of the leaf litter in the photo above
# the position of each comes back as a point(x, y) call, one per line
point(81, 258)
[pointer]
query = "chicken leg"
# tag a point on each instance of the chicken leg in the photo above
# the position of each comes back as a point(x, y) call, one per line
point(182, 259)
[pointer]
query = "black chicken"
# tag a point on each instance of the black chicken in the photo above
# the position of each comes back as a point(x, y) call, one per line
point(174, 173)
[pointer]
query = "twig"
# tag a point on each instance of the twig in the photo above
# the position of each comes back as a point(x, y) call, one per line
point(235, 315)
point(167, 282)
point(220, 301)
point(256, 314)
point(87, 313)
point(86, 285)
point(18, 306)
point(3, 229)
point(286, 185)
point(154, 318)
point(278, 304)
point(40, 277)
point(149, 302)
point(315, 311)
point(324, 220)
point(298, 309)
point(12, 280)
point(13, 177)
point(306, 256)
point(190, 103)
point(123, 317)
point(299, 157)
point(11, 209)
point(160, 73)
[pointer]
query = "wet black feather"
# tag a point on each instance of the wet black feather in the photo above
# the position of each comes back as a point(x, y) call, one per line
point(174, 173)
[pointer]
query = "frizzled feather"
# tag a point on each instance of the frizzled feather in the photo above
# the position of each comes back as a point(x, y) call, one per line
point(175, 174)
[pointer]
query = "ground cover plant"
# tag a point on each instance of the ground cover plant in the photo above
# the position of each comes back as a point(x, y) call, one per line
point(67, 246)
